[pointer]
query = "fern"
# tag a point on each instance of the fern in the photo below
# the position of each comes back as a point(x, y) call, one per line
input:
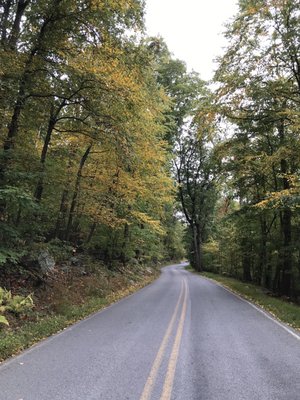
point(8, 255)
point(3, 320)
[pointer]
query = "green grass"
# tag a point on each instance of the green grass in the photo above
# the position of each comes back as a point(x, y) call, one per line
point(282, 310)
point(14, 341)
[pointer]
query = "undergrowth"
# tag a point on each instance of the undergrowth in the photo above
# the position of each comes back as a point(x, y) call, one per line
point(69, 299)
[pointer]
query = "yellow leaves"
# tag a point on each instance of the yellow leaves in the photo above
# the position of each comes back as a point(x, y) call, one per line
point(146, 219)
point(113, 5)
point(120, 190)
point(211, 247)
point(274, 200)
point(252, 10)
point(102, 214)
point(106, 68)
point(257, 8)
point(125, 179)
point(285, 197)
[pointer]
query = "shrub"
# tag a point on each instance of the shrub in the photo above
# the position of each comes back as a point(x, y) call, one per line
point(14, 304)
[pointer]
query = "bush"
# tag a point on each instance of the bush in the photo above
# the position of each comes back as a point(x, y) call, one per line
point(15, 304)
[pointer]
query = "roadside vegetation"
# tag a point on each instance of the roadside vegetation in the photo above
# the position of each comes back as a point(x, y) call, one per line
point(87, 198)
point(68, 300)
point(114, 157)
point(238, 163)
point(254, 234)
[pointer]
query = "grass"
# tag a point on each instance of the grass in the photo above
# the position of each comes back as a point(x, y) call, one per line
point(281, 309)
point(13, 340)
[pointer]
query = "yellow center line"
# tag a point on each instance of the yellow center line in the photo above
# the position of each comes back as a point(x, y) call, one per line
point(159, 357)
point(169, 380)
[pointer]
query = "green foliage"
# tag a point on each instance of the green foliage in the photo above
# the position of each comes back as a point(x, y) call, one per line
point(83, 132)
point(10, 256)
point(15, 304)
point(19, 304)
point(17, 201)
point(3, 320)
point(15, 198)
point(60, 250)
point(258, 99)
point(5, 296)
point(174, 246)
point(211, 255)
point(195, 172)
point(190, 126)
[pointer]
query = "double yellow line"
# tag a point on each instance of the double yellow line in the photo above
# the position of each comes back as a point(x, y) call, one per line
point(169, 378)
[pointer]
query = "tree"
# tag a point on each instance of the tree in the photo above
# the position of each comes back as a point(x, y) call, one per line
point(259, 93)
point(195, 176)
point(82, 129)
point(189, 129)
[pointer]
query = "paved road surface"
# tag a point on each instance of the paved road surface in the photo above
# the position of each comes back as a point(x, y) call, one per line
point(183, 338)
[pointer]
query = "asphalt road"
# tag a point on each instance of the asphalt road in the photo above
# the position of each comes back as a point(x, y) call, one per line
point(183, 338)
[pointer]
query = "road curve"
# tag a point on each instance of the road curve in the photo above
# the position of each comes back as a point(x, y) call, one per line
point(183, 338)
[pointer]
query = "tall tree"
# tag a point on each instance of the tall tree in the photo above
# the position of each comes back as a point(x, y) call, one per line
point(259, 93)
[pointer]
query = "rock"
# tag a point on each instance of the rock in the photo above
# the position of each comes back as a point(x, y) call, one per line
point(45, 261)
point(65, 268)
point(77, 264)
point(75, 261)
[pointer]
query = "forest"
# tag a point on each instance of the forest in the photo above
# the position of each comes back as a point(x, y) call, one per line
point(112, 149)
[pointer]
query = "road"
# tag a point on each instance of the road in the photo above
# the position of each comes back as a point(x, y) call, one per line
point(183, 338)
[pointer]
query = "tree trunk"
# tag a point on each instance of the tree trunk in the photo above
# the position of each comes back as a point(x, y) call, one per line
point(277, 278)
point(4, 20)
point(246, 259)
point(246, 268)
point(60, 223)
point(197, 256)
point(60, 226)
point(286, 227)
point(13, 126)
point(263, 268)
point(15, 30)
point(91, 233)
point(40, 185)
point(124, 244)
point(51, 125)
point(76, 192)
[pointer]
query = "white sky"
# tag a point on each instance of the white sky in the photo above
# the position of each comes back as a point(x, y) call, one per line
point(192, 29)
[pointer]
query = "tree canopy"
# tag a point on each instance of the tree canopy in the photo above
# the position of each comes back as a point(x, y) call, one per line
point(110, 144)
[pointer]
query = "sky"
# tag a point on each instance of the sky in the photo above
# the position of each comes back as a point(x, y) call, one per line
point(192, 29)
